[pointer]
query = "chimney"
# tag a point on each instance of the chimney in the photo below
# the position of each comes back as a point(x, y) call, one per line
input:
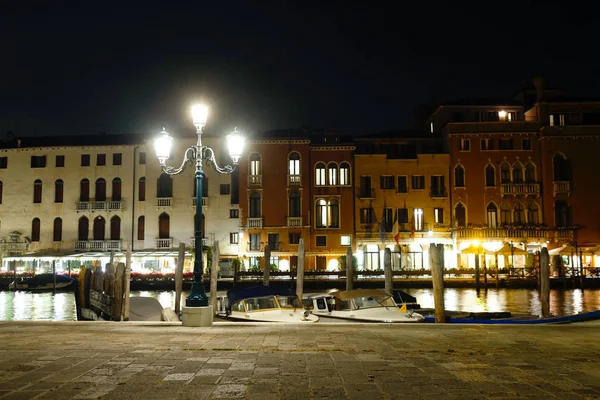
point(540, 84)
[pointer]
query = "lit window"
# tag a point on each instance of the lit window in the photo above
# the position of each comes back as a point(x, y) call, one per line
point(332, 174)
point(320, 175)
point(344, 173)
point(346, 240)
point(418, 218)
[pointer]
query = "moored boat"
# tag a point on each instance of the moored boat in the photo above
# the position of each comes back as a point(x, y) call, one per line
point(361, 305)
point(263, 304)
point(44, 282)
point(506, 318)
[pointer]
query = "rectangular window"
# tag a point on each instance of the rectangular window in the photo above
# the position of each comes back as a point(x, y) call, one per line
point(366, 215)
point(142, 158)
point(438, 215)
point(273, 241)
point(234, 238)
point(388, 218)
point(418, 182)
point(345, 240)
point(418, 219)
point(386, 182)
point(85, 160)
point(506, 144)
point(294, 237)
point(438, 186)
point(59, 162)
point(403, 215)
point(234, 213)
point(526, 144)
point(38, 161)
point(117, 158)
point(100, 159)
point(225, 188)
point(487, 144)
point(321, 241)
point(365, 187)
point(3, 162)
point(402, 184)
point(254, 244)
point(465, 145)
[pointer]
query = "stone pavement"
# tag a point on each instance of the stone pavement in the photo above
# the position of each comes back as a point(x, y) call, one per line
point(121, 360)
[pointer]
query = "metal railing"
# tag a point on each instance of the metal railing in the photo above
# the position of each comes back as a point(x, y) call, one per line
point(438, 192)
point(164, 243)
point(501, 233)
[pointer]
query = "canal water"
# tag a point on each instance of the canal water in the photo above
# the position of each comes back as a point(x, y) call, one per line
point(60, 306)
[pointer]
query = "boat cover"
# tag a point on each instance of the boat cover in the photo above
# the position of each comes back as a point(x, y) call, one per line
point(238, 294)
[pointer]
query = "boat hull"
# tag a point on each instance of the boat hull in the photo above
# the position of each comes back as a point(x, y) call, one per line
point(376, 316)
point(277, 315)
point(524, 320)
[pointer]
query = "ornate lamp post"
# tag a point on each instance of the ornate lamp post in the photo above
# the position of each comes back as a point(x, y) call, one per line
point(198, 153)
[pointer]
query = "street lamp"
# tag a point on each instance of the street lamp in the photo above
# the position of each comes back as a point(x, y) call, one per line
point(163, 144)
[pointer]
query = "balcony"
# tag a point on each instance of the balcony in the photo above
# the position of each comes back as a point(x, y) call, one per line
point(204, 202)
point(255, 223)
point(366, 193)
point(254, 180)
point(294, 180)
point(110, 205)
point(438, 193)
point(98, 245)
point(561, 187)
point(164, 202)
point(255, 246)
point(164, 243)
point(294, 222)
point(520, 189)
point(273, 246)
point(540, 233)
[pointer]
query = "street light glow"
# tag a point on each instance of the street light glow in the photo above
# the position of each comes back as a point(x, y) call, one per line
point(199, 114)
point(162, 146)
point(235, 144)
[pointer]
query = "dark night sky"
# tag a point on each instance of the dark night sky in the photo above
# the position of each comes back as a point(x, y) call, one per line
point(264, 65)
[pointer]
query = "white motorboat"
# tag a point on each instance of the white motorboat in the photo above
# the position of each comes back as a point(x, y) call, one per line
point(263, 304)
point(361, 305)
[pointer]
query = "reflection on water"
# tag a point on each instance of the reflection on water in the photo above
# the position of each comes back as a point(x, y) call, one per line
point(61, 306)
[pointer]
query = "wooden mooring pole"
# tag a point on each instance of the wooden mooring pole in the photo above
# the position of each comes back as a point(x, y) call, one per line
point(300, 271)
point(436, 262)
point(545, 282)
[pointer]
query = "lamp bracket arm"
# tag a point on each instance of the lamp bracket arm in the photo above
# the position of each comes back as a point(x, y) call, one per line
point(188, 157)
point(208, 154)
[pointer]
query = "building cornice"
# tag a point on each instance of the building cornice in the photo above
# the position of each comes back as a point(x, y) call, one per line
point(335, 148)
point(280, 141)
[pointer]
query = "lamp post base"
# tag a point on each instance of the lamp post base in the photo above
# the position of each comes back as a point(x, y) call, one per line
point(197, 296)
point(197, 316)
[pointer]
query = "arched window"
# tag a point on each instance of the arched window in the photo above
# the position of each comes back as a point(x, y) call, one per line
point(490, 175)
point(345, 174)
point(84, 190)
point(1, 190)
point(116, 189)
point(459, 176)
point(562, 171)
point(517, 172)
point(164, 226)
point(519, 213)
point(255, 206)
point(115, 228)
point(142, 189)
point(294, 163)
point(492, 216)
point(58, 191)
point(141, 227)
point(332, 174)
point(83, 229)
point(57, 231)
point(37, 191)
point(529, 172)
point(333, 213)
point(99, 228)
point(164, 186)
point(294, 205)
point(35, 230)
point(505, 211)
point(320, 177)
point(100, 194)
point(460, 214)
point(533, 215)
point(321, 213)
point(255, 164)
point(505, 173)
